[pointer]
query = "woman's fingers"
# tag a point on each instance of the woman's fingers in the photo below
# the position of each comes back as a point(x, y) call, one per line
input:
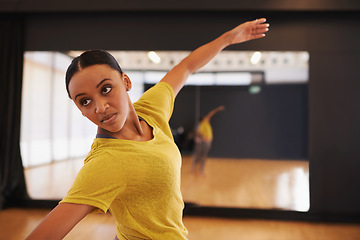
point(260, 28)
point(260, 20)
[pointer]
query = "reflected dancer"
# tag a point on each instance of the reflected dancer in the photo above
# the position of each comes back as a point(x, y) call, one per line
point(203, 140)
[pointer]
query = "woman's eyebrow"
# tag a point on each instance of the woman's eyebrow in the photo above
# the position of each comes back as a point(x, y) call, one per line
point(97, 86)
point(78, 95)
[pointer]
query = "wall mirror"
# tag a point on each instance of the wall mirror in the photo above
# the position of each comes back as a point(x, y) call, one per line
point(258, 157)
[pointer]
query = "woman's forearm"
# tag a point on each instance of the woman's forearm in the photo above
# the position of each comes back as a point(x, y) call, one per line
point(204, 54)
point(59, 222)
point(177, 76)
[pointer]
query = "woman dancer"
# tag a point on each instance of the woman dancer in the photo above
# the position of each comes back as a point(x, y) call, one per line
point(133, 167)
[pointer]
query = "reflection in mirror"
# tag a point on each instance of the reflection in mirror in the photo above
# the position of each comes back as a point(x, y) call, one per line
point(258, 155)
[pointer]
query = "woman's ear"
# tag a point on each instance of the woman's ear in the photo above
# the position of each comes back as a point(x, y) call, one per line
point(127, 82)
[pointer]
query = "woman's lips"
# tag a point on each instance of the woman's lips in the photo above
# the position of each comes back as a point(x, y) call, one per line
point(109, 118)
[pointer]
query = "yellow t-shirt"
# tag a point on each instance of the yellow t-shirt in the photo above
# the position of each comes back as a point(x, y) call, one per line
point(139, 182)
point(205, 130)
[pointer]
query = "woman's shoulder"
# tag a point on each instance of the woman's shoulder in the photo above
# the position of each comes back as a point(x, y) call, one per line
point(157, 101)
point(157, 92)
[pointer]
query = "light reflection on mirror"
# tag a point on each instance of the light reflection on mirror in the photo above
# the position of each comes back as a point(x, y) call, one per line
point(55, 137)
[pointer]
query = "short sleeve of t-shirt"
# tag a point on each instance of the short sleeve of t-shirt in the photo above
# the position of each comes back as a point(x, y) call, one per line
point(98, 182)
point(156, 105)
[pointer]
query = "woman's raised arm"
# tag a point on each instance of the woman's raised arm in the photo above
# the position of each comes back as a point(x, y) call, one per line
point(177, 76)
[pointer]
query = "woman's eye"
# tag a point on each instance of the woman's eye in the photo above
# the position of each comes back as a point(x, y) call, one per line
point(106, 89)
point(85, 102)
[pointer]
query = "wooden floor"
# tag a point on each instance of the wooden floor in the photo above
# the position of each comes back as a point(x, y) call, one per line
point(15, 224)
point(242, 183)
point(248, 183)
point(245, 183)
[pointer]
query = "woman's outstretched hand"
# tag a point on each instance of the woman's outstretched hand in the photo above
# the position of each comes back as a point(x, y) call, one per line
point(177, 76)
point(248, 31)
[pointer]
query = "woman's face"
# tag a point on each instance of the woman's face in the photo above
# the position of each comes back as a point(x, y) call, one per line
point(100, 93)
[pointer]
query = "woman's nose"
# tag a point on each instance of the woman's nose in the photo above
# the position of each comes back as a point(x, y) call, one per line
point(101, 106)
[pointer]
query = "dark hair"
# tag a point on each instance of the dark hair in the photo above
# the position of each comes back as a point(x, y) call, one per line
point(87, 59)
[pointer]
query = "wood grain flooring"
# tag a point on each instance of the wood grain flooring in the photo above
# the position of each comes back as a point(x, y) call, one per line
point(245, 183)
point(248, 183)
point(16, 224)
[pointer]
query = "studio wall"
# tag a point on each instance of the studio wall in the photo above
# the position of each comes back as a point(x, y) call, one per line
point(272, 124)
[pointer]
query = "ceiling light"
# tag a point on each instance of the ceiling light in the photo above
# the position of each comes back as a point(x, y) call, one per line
point(154, 57)
point(255, 58)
